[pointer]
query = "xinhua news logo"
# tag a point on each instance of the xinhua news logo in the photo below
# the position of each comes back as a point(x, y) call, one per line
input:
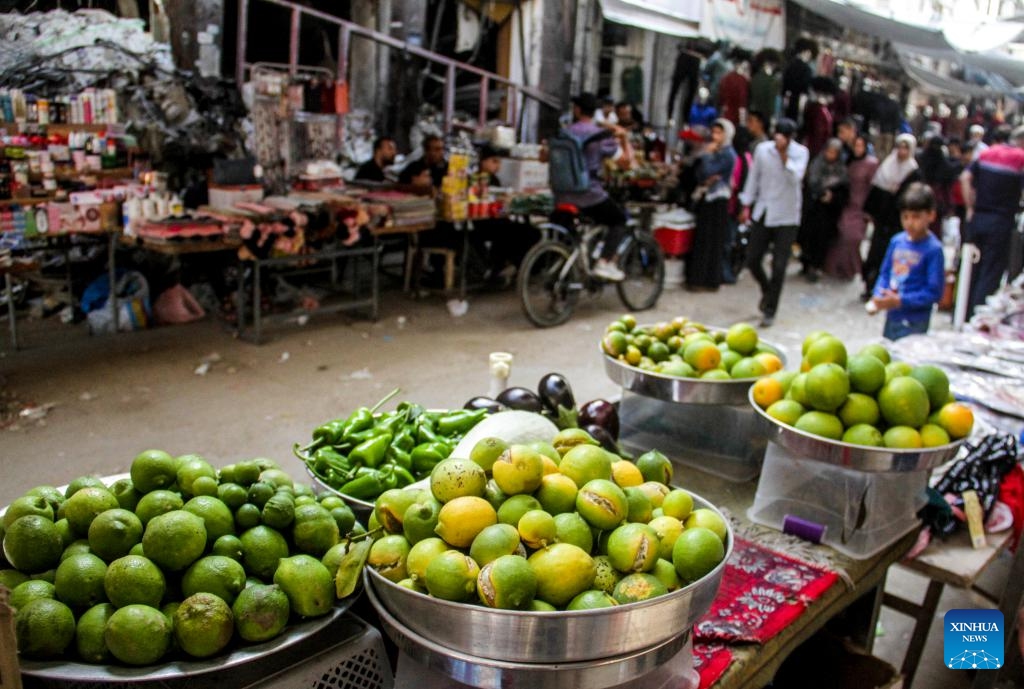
point(973, 639)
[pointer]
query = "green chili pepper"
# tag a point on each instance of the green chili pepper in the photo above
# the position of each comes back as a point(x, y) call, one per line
point(329, 433)
point(399, 457)
point(410, 410)
point(366, 486)
point(371, 452)
point(427, 455)
point(360, 420)
point(404, 440)
point(390, 423)
point(460, 421)
point(357, 439)
point(328, 458)
point(388, 477)
point(425, 432)
point(403, 476)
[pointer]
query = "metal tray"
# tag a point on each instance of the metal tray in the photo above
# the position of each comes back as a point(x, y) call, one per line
point(550, 637)
point(848, 455)
point(65, 671)
point(85, 672)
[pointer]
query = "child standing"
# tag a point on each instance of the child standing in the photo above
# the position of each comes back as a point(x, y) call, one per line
point(912, 276)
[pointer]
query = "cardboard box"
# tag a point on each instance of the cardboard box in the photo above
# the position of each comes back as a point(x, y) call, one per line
point(227, 195)
point(523, 174)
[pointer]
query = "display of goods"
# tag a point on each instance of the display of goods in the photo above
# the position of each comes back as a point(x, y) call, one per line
point(555, 400)
point(175, 561)
point(866, 399)
point(551, 525)
point(367, 453)
point(683, 348)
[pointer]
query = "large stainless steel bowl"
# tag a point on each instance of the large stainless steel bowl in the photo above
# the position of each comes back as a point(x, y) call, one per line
point(848, 455)
point(550, 637)
point(682, 390)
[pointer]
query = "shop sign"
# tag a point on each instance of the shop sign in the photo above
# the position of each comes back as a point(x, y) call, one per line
point(751, 24)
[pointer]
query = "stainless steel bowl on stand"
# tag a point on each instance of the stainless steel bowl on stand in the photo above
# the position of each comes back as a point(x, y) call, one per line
point(705, 424)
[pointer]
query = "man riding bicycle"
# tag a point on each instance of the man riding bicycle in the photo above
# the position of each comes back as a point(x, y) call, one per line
point(595, 203)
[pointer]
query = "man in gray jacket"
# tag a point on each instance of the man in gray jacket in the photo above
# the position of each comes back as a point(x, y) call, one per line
point(772, 199)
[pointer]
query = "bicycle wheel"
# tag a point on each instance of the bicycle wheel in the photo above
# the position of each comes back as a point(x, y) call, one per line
point(644, 266)
point(548, 287)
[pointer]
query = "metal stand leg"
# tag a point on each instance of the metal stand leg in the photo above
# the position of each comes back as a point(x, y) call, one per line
point(257, 302)
point(112, 277)
point(9, 292)
point(240, 306)
point(465, 260)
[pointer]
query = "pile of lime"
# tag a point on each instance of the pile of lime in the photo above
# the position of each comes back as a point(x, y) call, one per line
point(564, 525)
point(177, 557)
point(687, 349)
point(866, 399)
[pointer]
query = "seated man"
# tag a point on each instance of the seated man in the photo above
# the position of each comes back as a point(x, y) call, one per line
point(384, 151)
point(500, 242)
point(429, 169)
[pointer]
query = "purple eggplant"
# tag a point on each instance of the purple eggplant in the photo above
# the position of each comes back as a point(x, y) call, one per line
point(521, 399)
point(601, 435)
point(492, 406)
point(555, 392)
point(600, 413)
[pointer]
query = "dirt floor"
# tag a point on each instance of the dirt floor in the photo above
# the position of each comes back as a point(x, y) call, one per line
point(75, 404)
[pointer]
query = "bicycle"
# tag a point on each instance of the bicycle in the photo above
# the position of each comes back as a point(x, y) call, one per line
point(557, 269)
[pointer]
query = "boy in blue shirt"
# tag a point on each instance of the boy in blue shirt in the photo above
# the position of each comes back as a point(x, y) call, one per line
point(913, 273)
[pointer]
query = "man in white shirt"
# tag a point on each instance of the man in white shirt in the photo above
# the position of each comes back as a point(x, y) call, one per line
point(976, 135)
point(772, 198)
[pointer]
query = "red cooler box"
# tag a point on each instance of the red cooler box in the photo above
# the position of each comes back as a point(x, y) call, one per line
point(674, 231)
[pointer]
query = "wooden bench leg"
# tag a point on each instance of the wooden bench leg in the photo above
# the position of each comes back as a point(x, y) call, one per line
point(923, 615)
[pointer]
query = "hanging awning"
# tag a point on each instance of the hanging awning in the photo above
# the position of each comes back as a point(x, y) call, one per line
point(942, 85)
point(672, 17)
point(959, 44)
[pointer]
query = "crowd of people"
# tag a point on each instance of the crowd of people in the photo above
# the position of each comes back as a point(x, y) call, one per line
point(841, 208)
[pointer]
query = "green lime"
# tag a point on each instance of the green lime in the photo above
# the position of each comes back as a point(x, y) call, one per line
point(89, 634)
point(174, 540)
point(85, 505)
point(203, 625)
point(28, 591)
point(134, 579)
point(153, 469)
point(307, 583)
point(138, 634)
point(262, 549)
point(113, 533)
point(79, 580)
point(33, 544)
point(215, 574)
point(44, 628)
point(157, 502)
point(261, 612)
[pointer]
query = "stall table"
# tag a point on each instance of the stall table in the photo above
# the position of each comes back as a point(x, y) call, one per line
point(755, 665)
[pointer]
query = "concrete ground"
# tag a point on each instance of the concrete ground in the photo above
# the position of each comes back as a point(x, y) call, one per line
point(111, 397)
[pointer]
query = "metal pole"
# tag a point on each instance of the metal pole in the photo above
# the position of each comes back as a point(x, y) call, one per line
point(243, 37)
point(9, 291)
point(969, 255)
point(449, 97)
point(293, 40)
point(482, 113)
point(344, 37)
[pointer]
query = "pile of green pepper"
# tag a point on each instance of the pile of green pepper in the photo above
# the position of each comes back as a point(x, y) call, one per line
point(368, 453)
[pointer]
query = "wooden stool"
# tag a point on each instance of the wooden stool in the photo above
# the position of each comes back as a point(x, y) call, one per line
point(421, 254)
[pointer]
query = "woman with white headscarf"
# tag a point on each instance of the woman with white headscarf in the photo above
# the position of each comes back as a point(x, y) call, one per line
point(714, 174)
point(897, 172)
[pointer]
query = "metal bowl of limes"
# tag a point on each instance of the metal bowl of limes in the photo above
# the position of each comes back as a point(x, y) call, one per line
point(848, 455)
point(669, 388)
point(551, 637)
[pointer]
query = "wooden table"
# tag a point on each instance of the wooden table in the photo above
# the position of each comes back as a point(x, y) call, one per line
point(754, 665)
point(954, 562)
